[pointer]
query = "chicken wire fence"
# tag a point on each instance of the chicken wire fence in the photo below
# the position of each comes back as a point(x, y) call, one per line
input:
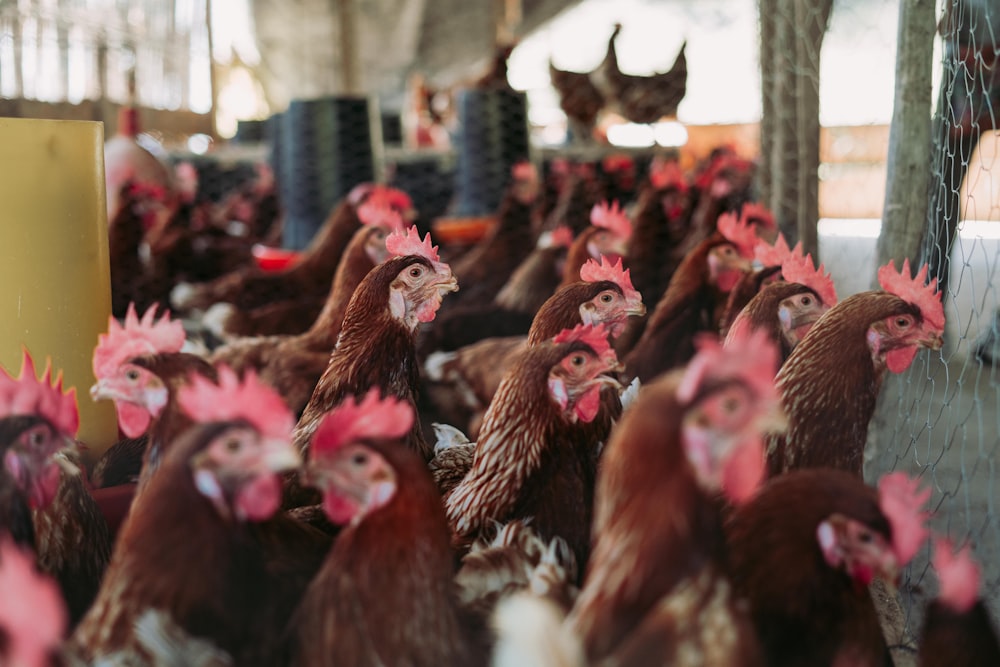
point(941, 419)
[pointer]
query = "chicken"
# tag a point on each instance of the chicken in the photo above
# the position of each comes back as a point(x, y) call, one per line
point(724, 186)
point(376, 345)
point(786, 310)
point(32, 614)
point(126, 231)
point(579, 99)
point(529, 460)
point(850, 348)
point(38, 422)
point(391, 567)
point(309, 277)
point(693, 300)
point(470, 376)
point(656, 590)
point(577, 191)
point(220, 475)
point(803, 552)
point(485, 268)
point(957, 629)
point(294, 364)
point(511, 311)
point(640, 99)
point(608, 236)
point(139, 366)
point(660, 226)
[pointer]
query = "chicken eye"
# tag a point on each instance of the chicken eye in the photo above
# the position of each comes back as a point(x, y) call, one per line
point(416, 272)
point(731, 404)
point(806, 300)
point(902, 322)
point(606, 298)
point(132, 374)
point(359, 459)
point(36, 438)
point(233, 445)
point(577, 360)
point(865, 537)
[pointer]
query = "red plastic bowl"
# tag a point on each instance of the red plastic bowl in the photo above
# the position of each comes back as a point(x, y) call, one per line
point(274, 259)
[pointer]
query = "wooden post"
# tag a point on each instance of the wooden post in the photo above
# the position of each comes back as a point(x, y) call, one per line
point(904, 214)
point(348, 48)
point(213, 84)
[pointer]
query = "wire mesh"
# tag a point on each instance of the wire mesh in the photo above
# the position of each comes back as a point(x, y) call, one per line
point(940, 419)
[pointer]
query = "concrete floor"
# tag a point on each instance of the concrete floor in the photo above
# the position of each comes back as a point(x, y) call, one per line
point(940, 419)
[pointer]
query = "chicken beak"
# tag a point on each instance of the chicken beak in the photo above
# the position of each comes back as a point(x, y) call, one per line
point(98, 390)
point(280, 456)
point(933, 341)
point(638, 309)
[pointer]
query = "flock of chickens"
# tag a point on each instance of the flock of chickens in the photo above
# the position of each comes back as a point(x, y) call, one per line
point(600, 436)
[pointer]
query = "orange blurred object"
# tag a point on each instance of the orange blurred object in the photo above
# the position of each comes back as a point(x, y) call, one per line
point(274, 259)
point(461, 231)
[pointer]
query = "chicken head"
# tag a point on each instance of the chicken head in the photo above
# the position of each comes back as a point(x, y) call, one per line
point(354, 477)
point(575, 382)
point(416, 293)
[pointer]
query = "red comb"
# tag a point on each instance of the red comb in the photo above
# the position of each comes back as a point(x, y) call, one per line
point(593, 272)
point(374, 417)
point(916, 290)
point(666, 174)
point(759, 213)
point(382, 214)
point(739, 232)
point(772, 255)
point(137, 338)
point(719, 164)
point(32, 611)
point(798, 269)
point(29, 395)
point(382, 195)
point(250, 400)
point(594, 336)
point(958, 574)
point(751, 359)
point(612, 218)
point(524, 171)
point(561, 236)
point(902, 503)
point(401, 244)
point(618, 162)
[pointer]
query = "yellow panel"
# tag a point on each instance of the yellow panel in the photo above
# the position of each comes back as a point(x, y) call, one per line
point(55, 287)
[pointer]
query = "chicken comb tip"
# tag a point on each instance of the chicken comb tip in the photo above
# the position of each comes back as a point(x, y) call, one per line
point(232, 399)
point(136, 338)
point(902, 502)
point(799, 268)
point(665, 174)
point(401, 244)
point(30, 395)
point(610, 216)
point(595, 336)
point(916, 290)
point(739, 232)
point(593, 272)
point(751, 359)
point(373, 417)
point(958, 575)
point(381, 214)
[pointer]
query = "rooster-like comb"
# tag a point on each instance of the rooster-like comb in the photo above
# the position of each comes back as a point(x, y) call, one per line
point(374, 417)
point(593, 272)
point(249, 400)
point(751, 359)
point(29, 395)
point(560, 237)
point(594, 336)
point(799, 269)
point(796, 268)
point(759, 213)
point(137, 338)
point(380, 213)
point(772, 255)
point(902, 503)
point(958, 574)
point(524, 171)
point(612, 218)
point(381, 194)
point(31, 605)
point(666, 174)
point(739, 232)
point(916, 290)
point(401, 244)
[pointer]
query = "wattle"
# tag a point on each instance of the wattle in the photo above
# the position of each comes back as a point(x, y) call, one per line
point(133, 420)
point(899, 360)
point(261, 498)
point(588, 404)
